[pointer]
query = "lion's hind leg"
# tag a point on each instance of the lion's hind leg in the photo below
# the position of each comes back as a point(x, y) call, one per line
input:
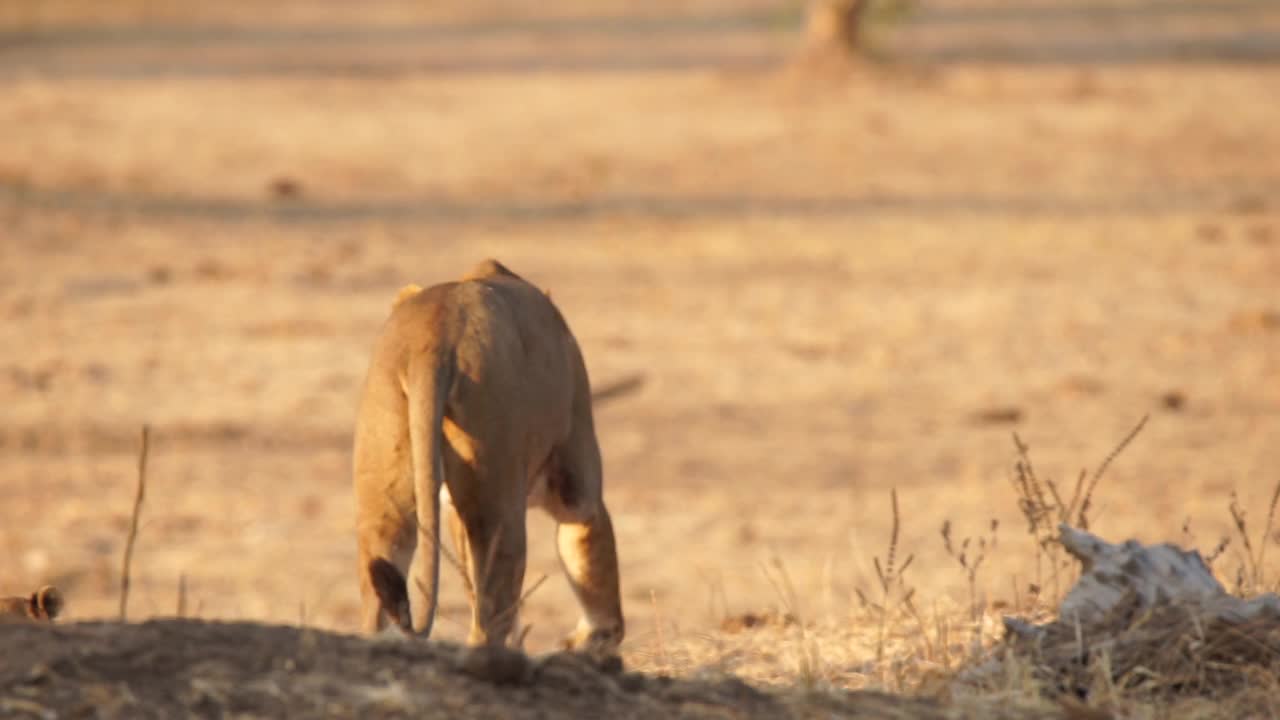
point(496, 561)
point(589, 556)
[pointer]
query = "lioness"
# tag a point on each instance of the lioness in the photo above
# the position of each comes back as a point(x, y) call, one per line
point(477, 396)
point(42, 605)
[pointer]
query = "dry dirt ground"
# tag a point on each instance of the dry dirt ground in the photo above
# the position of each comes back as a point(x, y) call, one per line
point(194, 668)
point(1048, 218)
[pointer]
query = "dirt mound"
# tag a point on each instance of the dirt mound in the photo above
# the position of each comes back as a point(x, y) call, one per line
point(190, 668)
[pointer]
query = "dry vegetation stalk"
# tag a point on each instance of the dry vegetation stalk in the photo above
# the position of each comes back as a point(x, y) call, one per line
point(1083, 520)
point(133, 523)
point(1251, 575)
point(890, 576)
point(970, 557)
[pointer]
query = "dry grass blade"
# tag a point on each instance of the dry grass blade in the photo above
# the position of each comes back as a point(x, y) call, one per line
point(657, 630)
point(126, 566)
point(182, 595)
point(1267, 530)
point(1217, 551)
point(781, 584)
point(893, 538)
point(520, 601)
point(1242, 528)
point(1076, 508)
point(810, 659)
point(457, 565)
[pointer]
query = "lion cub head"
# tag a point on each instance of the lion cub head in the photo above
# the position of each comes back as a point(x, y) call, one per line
point(42, 605)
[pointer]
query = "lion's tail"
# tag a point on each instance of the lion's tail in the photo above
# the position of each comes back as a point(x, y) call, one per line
point(428, 392)
point(429, 381)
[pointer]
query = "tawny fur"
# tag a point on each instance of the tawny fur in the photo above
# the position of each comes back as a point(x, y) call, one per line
point(477, 397)
point(43, 605)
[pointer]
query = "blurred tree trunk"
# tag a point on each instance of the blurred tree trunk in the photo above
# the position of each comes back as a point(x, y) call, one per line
point(834, 26)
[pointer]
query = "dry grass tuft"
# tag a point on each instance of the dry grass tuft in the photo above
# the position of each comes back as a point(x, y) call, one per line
point(1042, 504)
point(1251, 574)
point(1156, 654)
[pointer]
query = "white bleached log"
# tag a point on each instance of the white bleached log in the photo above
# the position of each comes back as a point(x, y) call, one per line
point(1154, 575)
point(1161, 574)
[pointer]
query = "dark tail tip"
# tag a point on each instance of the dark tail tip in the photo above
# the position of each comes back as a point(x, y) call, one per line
point(393, 592)
point(47, 602)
